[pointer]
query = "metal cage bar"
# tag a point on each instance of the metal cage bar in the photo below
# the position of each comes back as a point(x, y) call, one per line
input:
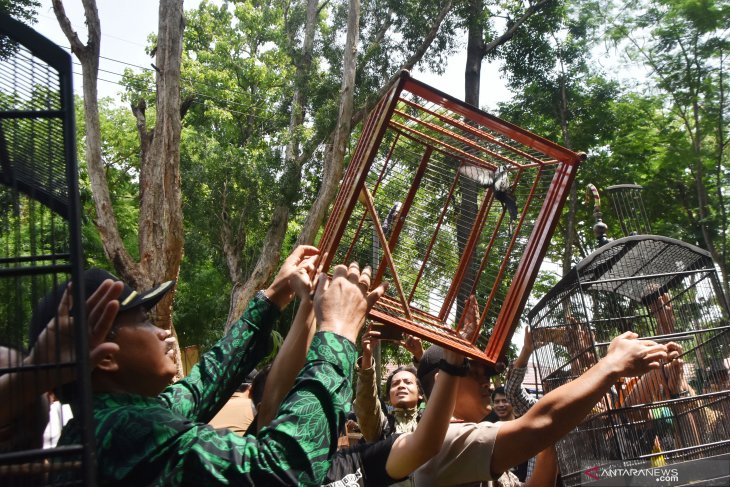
point(38, 153)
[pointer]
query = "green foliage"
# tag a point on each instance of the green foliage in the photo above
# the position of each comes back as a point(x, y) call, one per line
point(685, 44)
point(560, 96)
point(22, 10)
point(120, 154)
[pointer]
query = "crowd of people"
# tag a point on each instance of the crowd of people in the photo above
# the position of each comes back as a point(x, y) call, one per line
point(224, 425)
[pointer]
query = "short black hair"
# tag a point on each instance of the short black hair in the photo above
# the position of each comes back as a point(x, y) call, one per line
point(259, 384)
point(402, 368)
point(498, 390)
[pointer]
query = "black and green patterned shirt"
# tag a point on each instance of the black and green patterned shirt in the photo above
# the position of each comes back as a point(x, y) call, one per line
point(165, 440)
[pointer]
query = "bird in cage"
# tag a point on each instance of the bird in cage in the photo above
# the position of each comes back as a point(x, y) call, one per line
point(390, 218)
point(499, 181)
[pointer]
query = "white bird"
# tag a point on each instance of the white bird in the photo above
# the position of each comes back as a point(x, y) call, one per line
point(498, 180)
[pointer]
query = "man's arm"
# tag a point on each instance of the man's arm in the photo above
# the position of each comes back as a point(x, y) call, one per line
point(411, 450)
point(370, 416)
point(564, 408)
point(212, 381)
point(293, 352)
point(295, 449)
point(546, 469)
point(519, 398)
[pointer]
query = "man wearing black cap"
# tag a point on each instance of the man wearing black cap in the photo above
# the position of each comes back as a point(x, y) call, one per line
point(477, 451)
point(151, 433)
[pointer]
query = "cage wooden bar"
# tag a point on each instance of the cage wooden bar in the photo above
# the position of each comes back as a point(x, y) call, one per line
point(444, 200)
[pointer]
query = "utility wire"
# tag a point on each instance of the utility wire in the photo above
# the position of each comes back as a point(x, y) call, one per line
point(195, 102)
point(183, 78)
point(220, 101)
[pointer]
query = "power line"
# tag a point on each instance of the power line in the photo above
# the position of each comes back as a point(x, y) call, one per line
point(196, 93)
point(182, 78)
point(195, 102)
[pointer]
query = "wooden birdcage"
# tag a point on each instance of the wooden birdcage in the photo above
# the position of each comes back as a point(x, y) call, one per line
point(665, 290)
point(40, 244)
point(444, 200)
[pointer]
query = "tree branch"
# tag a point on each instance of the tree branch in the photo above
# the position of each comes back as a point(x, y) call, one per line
point(512, 29)
point(77, 46)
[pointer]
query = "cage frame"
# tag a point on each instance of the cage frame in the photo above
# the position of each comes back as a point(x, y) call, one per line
point(585, 279)
point(70, 263)
point(354, 181)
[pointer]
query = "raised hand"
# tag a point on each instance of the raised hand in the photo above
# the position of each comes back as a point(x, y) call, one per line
point(280, 291)
point(628, 356)
point(342, 303)
point(302, 281)
point(414, 345)
point(468, 329)
point(56, 342)
point(527, 345)
point(369, 340)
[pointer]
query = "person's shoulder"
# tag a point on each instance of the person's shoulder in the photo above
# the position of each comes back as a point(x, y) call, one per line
point(467, 431)
point(128, 409)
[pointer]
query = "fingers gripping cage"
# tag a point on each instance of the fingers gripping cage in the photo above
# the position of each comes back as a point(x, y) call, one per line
point(444, 200)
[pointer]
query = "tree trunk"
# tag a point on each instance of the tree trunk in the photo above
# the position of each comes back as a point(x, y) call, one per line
point(88, 56)
point(160, 215)
point(570, 226)
point(469, 189)
point(160, 224)
point(334, 166)
point(268, 261)
point(334, 159)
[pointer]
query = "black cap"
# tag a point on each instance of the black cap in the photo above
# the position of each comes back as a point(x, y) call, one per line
point(47, 308)
point(429, 361)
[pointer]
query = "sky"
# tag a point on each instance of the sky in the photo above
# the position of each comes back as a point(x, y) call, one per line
point(125, 26)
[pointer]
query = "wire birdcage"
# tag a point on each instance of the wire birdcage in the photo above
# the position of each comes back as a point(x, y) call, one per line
point(628, 206)
point(444, 201)
point(40, 246)
point(662, 289)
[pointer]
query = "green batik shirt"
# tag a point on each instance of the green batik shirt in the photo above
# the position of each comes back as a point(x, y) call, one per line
point(165, 440)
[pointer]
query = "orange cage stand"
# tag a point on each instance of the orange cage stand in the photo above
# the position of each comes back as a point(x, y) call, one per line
point(444, 200)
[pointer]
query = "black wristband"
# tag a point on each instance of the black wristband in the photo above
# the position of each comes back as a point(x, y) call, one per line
point(455, 370)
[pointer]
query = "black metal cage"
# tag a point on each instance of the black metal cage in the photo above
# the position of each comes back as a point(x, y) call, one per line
point(662, 289)
point(40, 248)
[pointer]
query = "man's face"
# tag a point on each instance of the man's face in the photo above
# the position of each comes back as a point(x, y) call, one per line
point(144, 359)
point(502, 407)
point(473, 397)
point(403, 390)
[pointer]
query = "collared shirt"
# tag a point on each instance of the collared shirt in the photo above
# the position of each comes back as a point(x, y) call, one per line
point(516, 394)
point(165, 440)
point(465, 457)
